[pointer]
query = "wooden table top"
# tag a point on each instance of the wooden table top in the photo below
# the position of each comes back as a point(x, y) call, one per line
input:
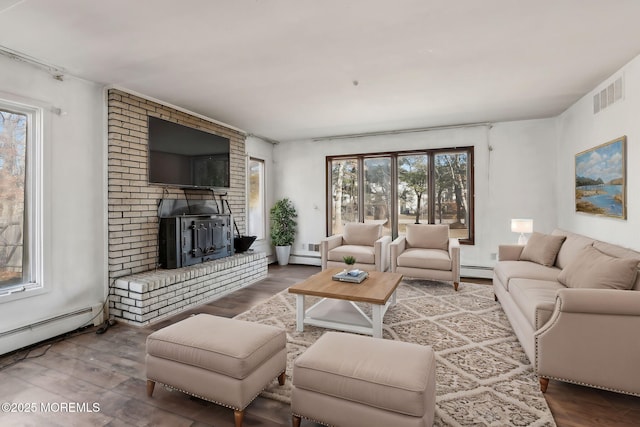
point(376, 289)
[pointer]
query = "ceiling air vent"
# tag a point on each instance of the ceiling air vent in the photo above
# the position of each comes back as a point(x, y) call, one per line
point(607, 96)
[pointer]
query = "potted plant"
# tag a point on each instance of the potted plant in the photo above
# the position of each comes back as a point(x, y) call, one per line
point(283, 228)
point(349, 260)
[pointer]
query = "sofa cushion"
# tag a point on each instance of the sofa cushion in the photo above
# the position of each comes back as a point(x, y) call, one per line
point(362, 254)
point(615, 250)
point(594, 269)
point(432, 259)
point(536, 299)
point(357, 233)
point(619, 252)
point(506, 270)
point(571, 246)
point(542, 249)
point(428, 236)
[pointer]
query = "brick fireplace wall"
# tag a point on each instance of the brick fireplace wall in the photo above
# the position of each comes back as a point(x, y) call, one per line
point(133, 203)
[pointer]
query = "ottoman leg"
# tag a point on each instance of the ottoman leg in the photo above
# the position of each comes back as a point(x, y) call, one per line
point(238, 416)
point(544, 383)
point(150, 387)
point(296, 421)
point(281, 378)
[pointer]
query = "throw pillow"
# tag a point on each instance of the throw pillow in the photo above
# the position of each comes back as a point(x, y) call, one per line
point(428, 236)
point(542, 249)
point(594, 269)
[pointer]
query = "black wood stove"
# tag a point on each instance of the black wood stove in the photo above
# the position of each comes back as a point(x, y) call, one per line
point(192, 239)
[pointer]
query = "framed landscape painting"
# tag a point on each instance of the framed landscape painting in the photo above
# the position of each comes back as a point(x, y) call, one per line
point(601, 180)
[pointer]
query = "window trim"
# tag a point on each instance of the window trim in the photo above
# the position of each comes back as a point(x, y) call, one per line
point(33, 200)
point(431, 152)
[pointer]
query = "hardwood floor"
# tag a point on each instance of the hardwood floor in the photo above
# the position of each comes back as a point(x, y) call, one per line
point(108, 370)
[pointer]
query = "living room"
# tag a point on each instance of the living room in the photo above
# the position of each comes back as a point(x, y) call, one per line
point(523, 168)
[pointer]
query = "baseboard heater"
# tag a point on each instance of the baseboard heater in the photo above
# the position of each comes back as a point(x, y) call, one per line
point(306, 256)
point(478, 271)
point(93, 311)
point(477, 267)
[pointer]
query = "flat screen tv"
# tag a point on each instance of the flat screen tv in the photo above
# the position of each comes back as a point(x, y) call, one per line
point(181, 156)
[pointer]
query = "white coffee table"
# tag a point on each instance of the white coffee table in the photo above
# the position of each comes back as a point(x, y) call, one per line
point(337, 308)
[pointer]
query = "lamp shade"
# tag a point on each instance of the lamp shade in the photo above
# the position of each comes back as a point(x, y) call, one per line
point(522, 225)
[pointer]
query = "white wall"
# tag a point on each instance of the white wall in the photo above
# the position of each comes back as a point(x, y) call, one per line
point(260, 149)
point(513, 179)
point(74, 203)
point(579, 129)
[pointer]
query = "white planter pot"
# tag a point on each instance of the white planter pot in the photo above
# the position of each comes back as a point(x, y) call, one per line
point(282, 254)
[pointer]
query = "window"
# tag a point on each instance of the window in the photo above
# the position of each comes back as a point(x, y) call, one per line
point(256, 218)
point(451, 172)
point(344, 193)
point(377, 192)
point(396, 189)
point(20, 242)
point(413, 186)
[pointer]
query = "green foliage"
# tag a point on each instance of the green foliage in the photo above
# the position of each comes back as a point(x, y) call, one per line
point(283, 223)
point(582, 181)
point(349, 260)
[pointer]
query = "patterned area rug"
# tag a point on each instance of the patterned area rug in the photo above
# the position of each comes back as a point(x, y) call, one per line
point(483, 377)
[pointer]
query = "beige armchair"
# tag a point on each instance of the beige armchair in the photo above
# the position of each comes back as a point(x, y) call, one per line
point(427, 252)
point(362, 241)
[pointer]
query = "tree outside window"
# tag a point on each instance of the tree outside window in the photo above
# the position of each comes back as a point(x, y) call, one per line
point(452, 202)
point(413, 186)
point(377, 193)
point(13, 161)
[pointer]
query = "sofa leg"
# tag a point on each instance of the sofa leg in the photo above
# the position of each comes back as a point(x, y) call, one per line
point(281, 378)
point(296, 421)
point(455, 286)
point(150, 386)
point(544, 383)
point(238, 417)
point(495, 297)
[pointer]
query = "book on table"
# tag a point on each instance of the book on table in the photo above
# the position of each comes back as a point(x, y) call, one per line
point(351, 276)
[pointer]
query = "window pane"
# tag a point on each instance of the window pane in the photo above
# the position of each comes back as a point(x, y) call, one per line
point(413, 194)
point(344, 193)
point(377, 192)
point(452, 192)
point(13, 148)
point(256, 219)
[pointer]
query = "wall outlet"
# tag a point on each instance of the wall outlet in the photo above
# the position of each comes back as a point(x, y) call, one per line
point(494, 256)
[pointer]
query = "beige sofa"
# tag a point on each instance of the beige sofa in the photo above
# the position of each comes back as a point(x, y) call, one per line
point(363, 241)
point(578, 316)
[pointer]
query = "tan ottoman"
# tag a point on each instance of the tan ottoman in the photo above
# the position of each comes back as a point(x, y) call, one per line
point(222, 360)
point(345, 379)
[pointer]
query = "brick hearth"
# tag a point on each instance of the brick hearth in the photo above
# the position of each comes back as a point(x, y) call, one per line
point(147, 297)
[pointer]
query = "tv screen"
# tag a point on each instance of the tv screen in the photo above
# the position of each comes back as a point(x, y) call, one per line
point(182, 156)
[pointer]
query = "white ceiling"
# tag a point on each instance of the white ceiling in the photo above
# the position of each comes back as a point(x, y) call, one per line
point(285, 69)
